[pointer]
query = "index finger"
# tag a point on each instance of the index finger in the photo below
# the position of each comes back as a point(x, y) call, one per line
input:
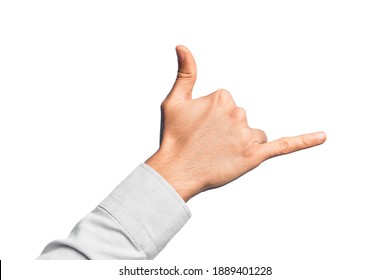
point(287, 145)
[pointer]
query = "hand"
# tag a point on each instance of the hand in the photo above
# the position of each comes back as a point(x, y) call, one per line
point(206, 142)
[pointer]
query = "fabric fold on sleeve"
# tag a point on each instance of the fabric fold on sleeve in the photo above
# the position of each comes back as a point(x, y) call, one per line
point(136, 221)
point(148, 208)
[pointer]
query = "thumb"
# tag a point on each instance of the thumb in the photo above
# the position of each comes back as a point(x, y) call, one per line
point(186, 75)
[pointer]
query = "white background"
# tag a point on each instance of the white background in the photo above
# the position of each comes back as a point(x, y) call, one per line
point(80, 87)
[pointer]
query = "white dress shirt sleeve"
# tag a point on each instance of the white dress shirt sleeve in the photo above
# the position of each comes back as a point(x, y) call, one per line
point(135, 221)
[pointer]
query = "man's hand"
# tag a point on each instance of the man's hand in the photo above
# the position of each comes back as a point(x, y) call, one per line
point(206, 142)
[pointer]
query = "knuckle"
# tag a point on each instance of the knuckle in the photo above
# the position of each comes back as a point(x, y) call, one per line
point(264, 135)
point(185, 75)
point(168, 104)
point(164, 105)
point(240, 113)
point(223, 95)
point(284, 146)
point(246, 134)
point(305, 142)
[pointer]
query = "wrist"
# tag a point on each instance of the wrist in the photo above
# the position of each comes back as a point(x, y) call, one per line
point(182, 179)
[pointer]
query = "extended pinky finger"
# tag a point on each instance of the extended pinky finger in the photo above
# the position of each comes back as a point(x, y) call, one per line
point(287, 145)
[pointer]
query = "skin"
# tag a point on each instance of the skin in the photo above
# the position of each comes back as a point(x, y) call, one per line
point(206, 142)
